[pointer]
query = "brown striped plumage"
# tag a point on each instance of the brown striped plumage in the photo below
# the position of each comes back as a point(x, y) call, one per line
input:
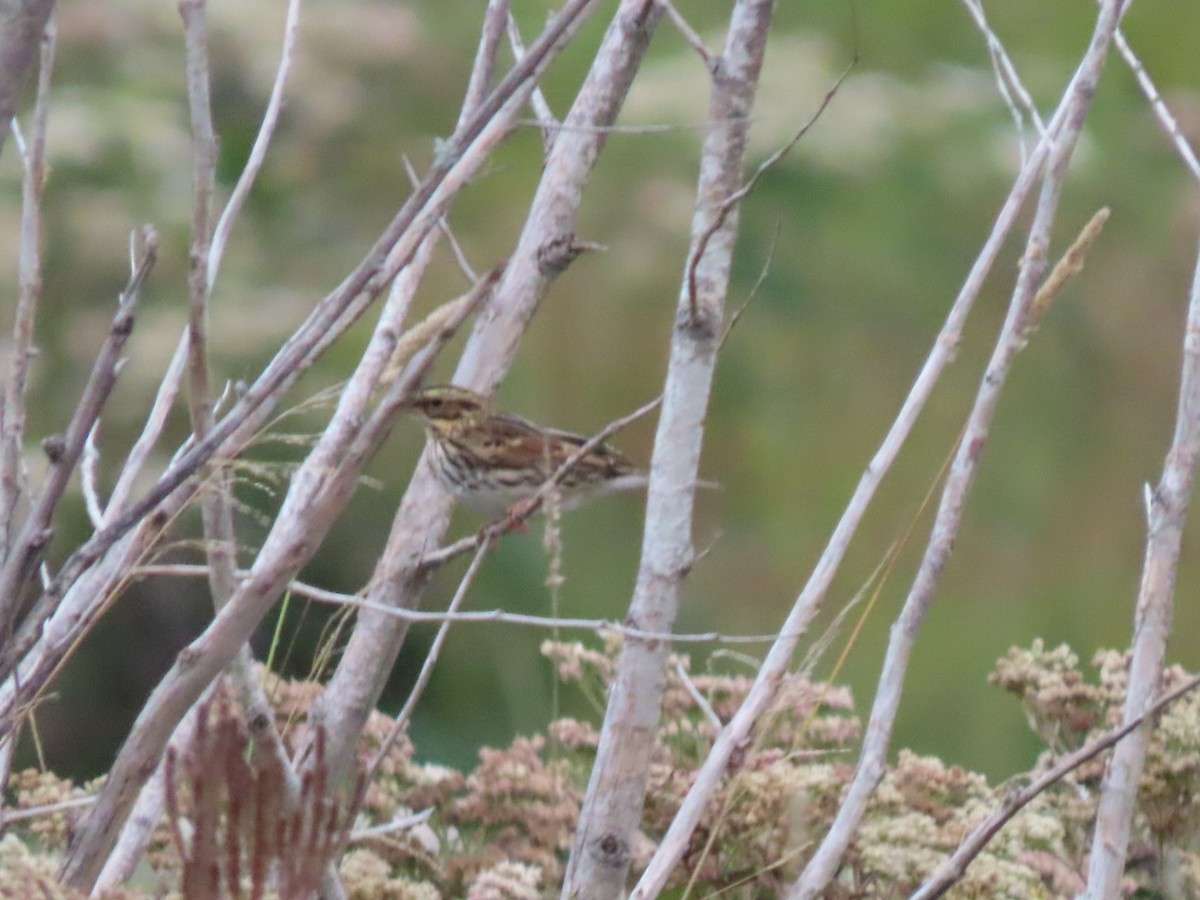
point(490, 461)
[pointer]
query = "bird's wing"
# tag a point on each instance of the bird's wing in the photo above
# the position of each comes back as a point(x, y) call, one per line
point(525, 443)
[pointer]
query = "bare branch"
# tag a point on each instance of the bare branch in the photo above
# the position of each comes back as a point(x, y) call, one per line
point(731, 202)
point(603, 847)
point(1161, 111)
point(492, 616)
point(805, 608)
point(1008, 82)
point(1152, 617)
point(258, 153)
point(29, 278)
point(1013, 337)
point(546, 119)
point(64, 451)
point(545, 248)
point(698, 698)
point(952, 869)
point(435, 649)
point(688, 32)
point(22, 25)
point(494, 19)
point(164, 399)
point(89, 480)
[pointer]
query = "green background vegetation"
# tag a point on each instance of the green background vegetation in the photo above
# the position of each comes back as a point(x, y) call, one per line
point(880, 211)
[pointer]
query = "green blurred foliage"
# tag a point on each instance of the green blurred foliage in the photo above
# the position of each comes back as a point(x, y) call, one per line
point(865, 232)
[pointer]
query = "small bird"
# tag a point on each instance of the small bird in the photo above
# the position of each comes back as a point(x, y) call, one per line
point(491, 461)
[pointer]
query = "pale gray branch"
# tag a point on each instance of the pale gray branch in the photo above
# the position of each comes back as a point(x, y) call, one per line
point(258, 153)
point(1013, 338)
point(541, 107)
point(953, 868)
point(29, 280)
point(545, 248)
point(807, 604)
point(22, 24)
point(1152, 618)
point(612, 807)
point(64, 451)
point(400, 725)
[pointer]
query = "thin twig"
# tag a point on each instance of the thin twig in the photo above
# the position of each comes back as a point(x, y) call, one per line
point(65, 451)
point(736, 315)
point(400, 725)
point(48, 809)
point(546, 119)
point(495, 18)
point(953, 868)
point(1162, 112)
point(89, 480)
point(29, 280)
point(688, 32)
point(156, 421)
point(698, 698)
point(492, 616)
point(258, 153)
point(1008, 82)
point(403, 823)
point(460, 255)
point(872, 762)
point(731, 202)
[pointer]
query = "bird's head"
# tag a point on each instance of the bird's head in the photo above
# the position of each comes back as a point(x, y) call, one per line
point(447, 409)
